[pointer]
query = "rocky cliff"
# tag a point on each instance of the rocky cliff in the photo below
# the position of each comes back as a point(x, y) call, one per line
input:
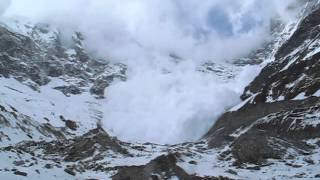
point(50, 112)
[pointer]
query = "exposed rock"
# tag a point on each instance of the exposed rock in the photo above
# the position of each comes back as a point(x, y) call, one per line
point(70, 171)
point(20, 173)
point(296, 68)
point(280, 123)
point(86, 145)
point(71, 125)
point(68, 90)
point(263, 131)
point(100, 84)
point(232, 172)
point(48, 166)
point(221, 71)
point(281, 111)
point(91, 144)
point(254, 147)
point(30, 57)
point(230, 122)
point(104, 79)
point(163, 167)
point(19, 163)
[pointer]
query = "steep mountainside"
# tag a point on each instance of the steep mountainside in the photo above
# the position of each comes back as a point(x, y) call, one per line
point(278, 122)
point(42, 81)
point(51, 105)
point(51, 98)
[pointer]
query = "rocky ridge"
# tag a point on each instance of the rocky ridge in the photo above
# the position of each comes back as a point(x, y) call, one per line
point(274, 133)
point(36, 53)
point(278, 120)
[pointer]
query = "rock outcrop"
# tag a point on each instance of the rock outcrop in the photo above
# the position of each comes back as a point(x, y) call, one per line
point(280, 114)
point(273, 134)
point(39, 56)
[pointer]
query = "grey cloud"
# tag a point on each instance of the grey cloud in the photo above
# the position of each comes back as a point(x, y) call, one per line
point(4, 4)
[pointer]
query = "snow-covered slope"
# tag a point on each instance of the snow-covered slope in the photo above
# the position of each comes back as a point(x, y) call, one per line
point(277, 125)
point(50, 83)
point(52, 98)
point(294, 71)
point(51, 107)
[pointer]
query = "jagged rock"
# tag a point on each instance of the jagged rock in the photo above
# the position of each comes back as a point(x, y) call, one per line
point(273, 124)
point(48, 166)
point(221, 71)
point(100, 84)
point(29, 57)
point(70, 171)
point(18, 163)
point(281, 111)
point(232, 172)
point(86, 145)
point(104, 79)
point(53, 67)
point(48, 129)
point(162, 167)
point(67, 90)
point(4, 121)
point(230, 122)
point(71, 125)
point(308, 30)
point(265, 131)
point(14, 44)
point(79, 148)
point(296, 68)
point(253, 147)
point(20, 173)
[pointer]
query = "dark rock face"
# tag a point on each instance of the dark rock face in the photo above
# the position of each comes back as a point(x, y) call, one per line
point(163, 167)
point(296, 68)
point(308, 29)
point(273, 125)
point(253, 147)
point(15, 45)
point(103, 80)
point(79, 148)
point(265, 131)
point(28, 57)
point(248, 115)
point(282, 111)
point(69, 171)
point(26, 126)
point(71, 125)
point(68, 90)
point(19, 173)
point(86, 145)
point(95, 150)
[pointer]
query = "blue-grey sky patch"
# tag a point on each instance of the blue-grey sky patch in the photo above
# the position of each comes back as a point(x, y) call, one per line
point(4, 4)
point(220, 22)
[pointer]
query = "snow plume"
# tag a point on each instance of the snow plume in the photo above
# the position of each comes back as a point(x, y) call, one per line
point(188, 28)
point(4, 4)
point(162, 100)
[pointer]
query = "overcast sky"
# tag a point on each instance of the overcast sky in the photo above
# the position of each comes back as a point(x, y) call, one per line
point(190, 28)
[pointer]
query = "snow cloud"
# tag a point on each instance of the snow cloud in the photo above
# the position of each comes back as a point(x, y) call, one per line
point(4, 4)
point(163, 101)
point(188, 28)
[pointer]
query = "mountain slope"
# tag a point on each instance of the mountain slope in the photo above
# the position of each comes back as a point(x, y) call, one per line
point(278, 122)
point(51, 111)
